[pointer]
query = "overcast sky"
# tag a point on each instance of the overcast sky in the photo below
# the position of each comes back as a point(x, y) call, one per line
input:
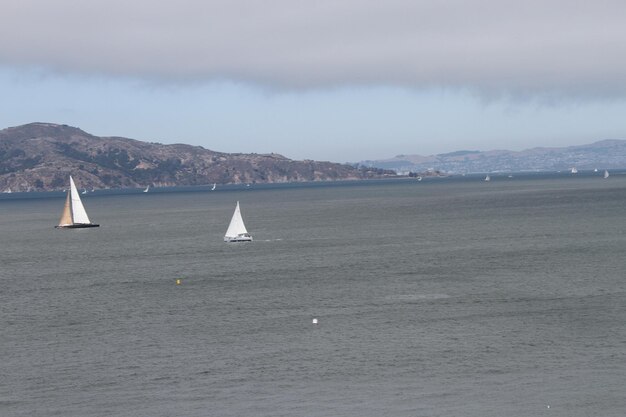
point(340, 80)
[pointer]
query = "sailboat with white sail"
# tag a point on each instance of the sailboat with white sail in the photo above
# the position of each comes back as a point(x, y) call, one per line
point(606, 174)
point(214, 185)
point(487, 178)
point(74, 215)
point(237, 229)
point(147, 189)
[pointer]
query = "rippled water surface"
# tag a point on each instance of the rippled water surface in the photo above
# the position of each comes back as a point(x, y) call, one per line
point(438, 298)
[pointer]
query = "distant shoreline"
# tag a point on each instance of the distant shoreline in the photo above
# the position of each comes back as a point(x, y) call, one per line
point(451, 178)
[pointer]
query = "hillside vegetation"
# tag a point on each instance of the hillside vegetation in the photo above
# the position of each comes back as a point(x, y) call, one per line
point(41, 156)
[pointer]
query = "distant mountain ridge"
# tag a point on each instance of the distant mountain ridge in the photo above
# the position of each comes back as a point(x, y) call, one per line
point(606, 154)
point(41, 156)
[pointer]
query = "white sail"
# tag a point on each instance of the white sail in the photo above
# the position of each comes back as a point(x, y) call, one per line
point(237, 229)
point(147, 189)
point(487, 178)
point(606, 174)
point(79, 215)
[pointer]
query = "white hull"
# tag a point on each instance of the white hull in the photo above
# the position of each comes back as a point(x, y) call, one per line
point(242, 238)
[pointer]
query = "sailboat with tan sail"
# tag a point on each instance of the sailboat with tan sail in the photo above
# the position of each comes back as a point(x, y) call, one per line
point(74, 215)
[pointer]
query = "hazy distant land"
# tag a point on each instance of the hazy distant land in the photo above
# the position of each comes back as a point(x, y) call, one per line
point(605, 154)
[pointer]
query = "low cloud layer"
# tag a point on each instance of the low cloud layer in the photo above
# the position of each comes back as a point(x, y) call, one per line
point(534, 47)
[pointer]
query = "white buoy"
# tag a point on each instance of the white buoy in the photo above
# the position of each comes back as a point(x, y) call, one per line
point(314, 321)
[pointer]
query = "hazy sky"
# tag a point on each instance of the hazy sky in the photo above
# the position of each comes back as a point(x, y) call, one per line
point(340, 80)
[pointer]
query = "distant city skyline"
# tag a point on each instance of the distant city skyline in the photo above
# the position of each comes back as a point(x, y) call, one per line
point(342, 81)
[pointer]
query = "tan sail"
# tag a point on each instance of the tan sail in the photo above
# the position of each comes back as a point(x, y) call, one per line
point(66, 217)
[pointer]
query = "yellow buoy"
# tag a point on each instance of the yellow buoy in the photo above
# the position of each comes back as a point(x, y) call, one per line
point(178, 281)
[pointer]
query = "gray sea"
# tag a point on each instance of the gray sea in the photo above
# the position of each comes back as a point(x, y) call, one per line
point(446, 297)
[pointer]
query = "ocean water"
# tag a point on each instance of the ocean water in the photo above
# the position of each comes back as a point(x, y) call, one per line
point(439, 298)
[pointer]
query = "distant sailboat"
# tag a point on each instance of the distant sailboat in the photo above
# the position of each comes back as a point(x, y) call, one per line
point(214, 185)
point(574, 170)
point(147, 189)
point(237, 229)
point(84, 191)
point(8, 190)
point(606, 174)
point(74, 215)
point(487, 178)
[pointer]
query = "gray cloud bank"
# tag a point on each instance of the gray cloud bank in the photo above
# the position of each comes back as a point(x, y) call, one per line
point(559, 47)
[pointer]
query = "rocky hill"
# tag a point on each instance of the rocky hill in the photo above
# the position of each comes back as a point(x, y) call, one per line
point(605, 154)
point(40, 156)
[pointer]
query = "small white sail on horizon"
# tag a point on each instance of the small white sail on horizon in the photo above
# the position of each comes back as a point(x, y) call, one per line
point(147, 189)
point(574, 170)
point(74, 214)
point(214, 185)
point(606, 173)
point(487, 178)
point(237, 229)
